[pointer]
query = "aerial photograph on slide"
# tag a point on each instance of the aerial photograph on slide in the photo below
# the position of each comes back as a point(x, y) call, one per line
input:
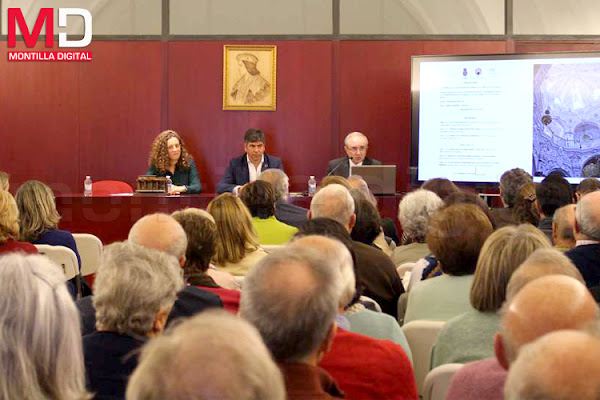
point(566, 119)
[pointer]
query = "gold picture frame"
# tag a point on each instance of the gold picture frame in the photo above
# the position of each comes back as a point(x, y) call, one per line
point(250, 77)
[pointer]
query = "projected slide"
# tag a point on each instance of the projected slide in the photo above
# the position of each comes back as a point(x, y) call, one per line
point(480, 117)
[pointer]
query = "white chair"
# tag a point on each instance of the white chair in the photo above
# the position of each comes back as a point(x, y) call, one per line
point(269, 248)
point(416, 273)
point(437, 381)
point(421, 336)
point(404, 272)
point(90, 252)
point(367, 299)
point(63, 256)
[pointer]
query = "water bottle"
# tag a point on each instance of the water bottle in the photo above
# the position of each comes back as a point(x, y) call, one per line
point(87, 186)
point(169, 184)
point(312, 185)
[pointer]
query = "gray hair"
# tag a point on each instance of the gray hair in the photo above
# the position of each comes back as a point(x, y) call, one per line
point(587, 214)
point(339, 258)
point(414, 212)
point(132, 285)
point(511, 182)
point(40, 352)
point(292, 297)
point(561, 218)
point(334, 202)
point(542, 262)
point(160, 231)
point(352, 135)
point(213, 355)
point(278, 179)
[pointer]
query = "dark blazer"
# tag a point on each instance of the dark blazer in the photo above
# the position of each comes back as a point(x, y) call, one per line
point(191, 300)
point(237, 173)
point(587, 260)
point(290, 214)
point(378, 277)
point(341, 166)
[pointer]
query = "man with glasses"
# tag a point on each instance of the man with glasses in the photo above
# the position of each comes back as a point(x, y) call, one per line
point(356, 145)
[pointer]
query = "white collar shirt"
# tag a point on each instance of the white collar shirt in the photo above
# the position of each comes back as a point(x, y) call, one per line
point(254, 171)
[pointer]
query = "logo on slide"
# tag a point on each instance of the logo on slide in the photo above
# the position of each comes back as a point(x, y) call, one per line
point(46, 15)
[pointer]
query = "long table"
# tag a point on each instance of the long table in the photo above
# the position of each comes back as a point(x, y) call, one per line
point(111, 217)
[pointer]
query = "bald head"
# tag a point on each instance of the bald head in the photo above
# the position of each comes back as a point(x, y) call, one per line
point(563, 226)
point(160, 232)
point(335, 202)
point(339, 258)
point(562, 365)
point(587, 215)
point(541, 262)
point(544, 305)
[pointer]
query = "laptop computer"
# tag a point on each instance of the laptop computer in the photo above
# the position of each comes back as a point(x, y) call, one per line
point(380, 178)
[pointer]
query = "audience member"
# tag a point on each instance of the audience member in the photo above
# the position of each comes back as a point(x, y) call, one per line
point(414, 212)
point(159, 232)
point(441, 186)
point(559, 366)
point(377, 274)
point(525, 210)
point(328, 180)
point(352, 315)
point(529, 313)
point(511, 183)
point(563, 227)
point(248, 166)
point(455, 236)
point(40, 351)
point(551, 195)
point(285, 212)
point(585, 255)
point(291, 297)
point(210, 356)
point(469, 336)
point(38, 220)
point(367, 228)
point(356, 146)
point(4, 181)
point(260, 198)
point(237, 249)
point(9, 226)
point(586, 186)
point(466, 197)
point(169, 156)
point(134, 291)
point(201, 234)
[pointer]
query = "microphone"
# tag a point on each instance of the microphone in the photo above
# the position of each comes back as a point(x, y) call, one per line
point(337, 166)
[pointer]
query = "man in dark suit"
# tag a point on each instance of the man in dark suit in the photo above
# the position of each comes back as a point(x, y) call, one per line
point(586, 254)
point(285, 212)
point(356, 145)
point(247, 167)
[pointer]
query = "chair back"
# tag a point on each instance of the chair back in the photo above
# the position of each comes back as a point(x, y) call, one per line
point(437, 381)
point(421, 335)
point(63, 256)
point(90, 252)
point(106, 188)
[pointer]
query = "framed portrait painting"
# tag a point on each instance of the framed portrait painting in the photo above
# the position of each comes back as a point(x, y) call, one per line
point(249, 77)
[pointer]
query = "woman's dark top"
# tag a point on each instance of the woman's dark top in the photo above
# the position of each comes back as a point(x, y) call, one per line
point(182, 177)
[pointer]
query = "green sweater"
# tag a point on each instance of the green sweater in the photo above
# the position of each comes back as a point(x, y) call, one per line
point(272, 231)
point(468, 337)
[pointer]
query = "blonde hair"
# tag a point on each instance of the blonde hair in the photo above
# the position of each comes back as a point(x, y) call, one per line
point(9, 217)
point(37, 210)
point(235, 233)
point(4, 180)
point(500, 256)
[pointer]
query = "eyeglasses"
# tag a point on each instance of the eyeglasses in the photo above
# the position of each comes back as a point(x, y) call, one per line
point(360, 149)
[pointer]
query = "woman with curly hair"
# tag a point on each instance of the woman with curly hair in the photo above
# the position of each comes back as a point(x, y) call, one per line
point(169, 156)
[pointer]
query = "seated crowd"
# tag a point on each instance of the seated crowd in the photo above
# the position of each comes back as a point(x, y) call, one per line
point(255, 298)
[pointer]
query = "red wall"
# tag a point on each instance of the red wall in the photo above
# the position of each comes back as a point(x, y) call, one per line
point(62, 121)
